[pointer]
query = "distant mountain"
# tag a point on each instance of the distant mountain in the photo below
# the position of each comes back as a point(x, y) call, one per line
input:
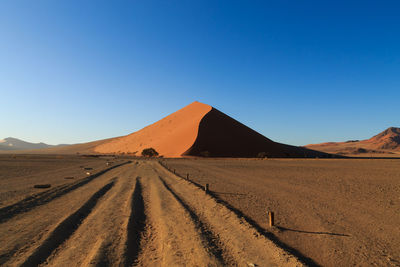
point(11, 143)
point(387, 141)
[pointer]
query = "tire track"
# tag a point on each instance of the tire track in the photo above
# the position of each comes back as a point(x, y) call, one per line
point(102, 238)
point(269, 235)
point(136, 224)
point(42, 198)
point(212, 240)
point(97, 255)
point(65, 229)
point(233, 231)
point(171, 237)
point(148, 217)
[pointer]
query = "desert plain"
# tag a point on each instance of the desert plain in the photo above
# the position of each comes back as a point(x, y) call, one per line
point(128, 211)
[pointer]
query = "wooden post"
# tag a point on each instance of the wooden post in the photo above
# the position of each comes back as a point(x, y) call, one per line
point(271, 218)
point(206, 188)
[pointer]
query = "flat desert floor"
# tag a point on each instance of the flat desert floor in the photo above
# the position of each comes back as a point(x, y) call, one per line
point(330, 212)
point(131, 212)
point(125, 213)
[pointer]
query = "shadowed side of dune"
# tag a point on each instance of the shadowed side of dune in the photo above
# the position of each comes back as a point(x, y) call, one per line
point(222, 136)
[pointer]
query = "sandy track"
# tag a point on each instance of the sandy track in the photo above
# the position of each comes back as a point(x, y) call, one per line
point(46, 196)
point(138, 214)
point(101, 238)
point(65, 229)
point(172, 236)
point(26, 232)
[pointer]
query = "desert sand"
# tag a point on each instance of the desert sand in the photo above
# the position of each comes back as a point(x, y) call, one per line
point(328, 212)
point(136, 212)
point(129, 214)
point(19, 173)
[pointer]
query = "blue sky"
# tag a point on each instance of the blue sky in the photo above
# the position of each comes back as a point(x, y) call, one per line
point(298, 72)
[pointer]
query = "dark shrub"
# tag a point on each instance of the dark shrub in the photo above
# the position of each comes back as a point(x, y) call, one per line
point(262, 155)
point(361, 150)
point(149, 152)
point(205, 154)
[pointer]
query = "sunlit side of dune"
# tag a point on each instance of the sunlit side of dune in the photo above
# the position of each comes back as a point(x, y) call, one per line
point(170, 137)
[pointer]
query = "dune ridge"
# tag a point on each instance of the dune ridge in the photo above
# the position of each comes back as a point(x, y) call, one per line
point(170, 136)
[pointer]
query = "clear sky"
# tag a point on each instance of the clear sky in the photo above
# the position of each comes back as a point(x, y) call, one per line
point(298, 72)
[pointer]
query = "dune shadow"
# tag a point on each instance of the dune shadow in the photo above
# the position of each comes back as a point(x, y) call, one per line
point(284, 229)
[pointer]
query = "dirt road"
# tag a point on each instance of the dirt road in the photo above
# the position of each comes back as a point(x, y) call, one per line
point(137, 214)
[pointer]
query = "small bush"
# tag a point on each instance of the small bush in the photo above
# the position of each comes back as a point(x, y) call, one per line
point(149, 152)
point(361, 150)
point(262, 155)
point(205, 154)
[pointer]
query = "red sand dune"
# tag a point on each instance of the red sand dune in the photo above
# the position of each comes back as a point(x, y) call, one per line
point(386, 142)
point(171, 136)
point(201, 130)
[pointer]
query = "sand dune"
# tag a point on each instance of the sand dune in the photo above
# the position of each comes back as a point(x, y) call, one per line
point(171, 136)
point(222, 136)
point(201, 130)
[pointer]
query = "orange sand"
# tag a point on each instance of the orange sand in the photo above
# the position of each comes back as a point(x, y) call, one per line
point(170, 137)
